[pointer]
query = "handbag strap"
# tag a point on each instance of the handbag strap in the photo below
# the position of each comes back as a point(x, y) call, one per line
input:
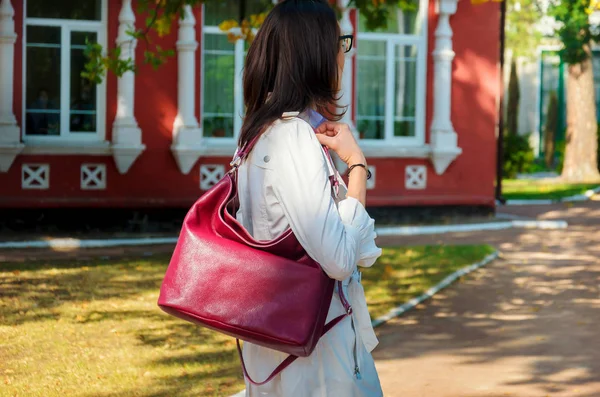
point(291, 358)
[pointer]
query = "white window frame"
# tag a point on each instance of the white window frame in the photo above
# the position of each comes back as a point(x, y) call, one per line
point(392, 40)
point(238, 99)
point(68, 26)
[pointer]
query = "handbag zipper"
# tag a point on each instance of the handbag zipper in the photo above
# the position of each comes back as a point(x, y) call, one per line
point(356, 368)
point(349, 312)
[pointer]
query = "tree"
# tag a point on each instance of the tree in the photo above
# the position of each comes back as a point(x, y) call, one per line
point(512, 109)
point(522, 33)
point(162, 13)
point(576, 34)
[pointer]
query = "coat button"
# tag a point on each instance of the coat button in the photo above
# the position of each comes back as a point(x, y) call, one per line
point(267, 159)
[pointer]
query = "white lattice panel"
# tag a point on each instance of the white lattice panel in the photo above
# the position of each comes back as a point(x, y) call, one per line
point(93, 176)
point(35, 176)
point(210, 175)
point(416, 177)
point(371, 182)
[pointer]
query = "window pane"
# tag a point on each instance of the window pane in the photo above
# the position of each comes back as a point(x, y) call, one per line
point(405, 90)
point(218, 99)
point(399, 22)
point(42, 94)
point(65, 9)
point(370, 115)
point(82, 113)
point(218, 11)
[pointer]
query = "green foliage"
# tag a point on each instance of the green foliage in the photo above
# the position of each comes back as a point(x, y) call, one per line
point(98, 63)
point(512, 109)
point(539, 165)
point(377, 12)
point(518, 155)
point(158, 57)
point(522, 36)
point(576, 33)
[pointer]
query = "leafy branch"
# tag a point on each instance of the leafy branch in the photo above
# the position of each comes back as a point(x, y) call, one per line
point(161, 14)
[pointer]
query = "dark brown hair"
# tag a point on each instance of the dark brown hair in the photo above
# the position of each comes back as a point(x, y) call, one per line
point(293, 57)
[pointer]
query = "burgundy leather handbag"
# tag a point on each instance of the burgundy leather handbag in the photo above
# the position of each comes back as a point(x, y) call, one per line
point(270, 293)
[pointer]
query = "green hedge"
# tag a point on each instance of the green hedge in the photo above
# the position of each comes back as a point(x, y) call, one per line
point(518, 155)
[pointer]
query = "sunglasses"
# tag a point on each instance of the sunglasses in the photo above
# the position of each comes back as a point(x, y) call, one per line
point(347, 41)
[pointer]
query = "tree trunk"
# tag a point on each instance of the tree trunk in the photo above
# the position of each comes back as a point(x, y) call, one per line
point(580, 164)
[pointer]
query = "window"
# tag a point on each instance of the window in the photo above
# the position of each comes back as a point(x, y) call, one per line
point(59, 103)
point(391, 79)
point(222, 65)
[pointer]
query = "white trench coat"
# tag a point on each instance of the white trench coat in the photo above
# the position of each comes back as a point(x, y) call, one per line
point(285, 182)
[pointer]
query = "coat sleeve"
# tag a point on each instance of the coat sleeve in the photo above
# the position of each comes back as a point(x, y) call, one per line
point(338, 237)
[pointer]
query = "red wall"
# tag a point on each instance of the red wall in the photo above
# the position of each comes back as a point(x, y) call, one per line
point(155, 180)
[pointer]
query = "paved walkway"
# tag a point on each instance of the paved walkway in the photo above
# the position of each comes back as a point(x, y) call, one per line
point(527, 325)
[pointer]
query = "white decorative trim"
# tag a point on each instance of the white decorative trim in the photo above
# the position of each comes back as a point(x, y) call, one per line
point(187, 134)
point(443, 137)
point(386, 149)
point(8, 152)
point(69, 148)
point(210, 175)
point(10, 134)
point(387, 231)
point(345, 99)
point(415, 177)
point(127, 136)
point(74, 243)
point(93, 176)
point(371, 183)
point(35, 176)
point(371, 148)
point(397, 311)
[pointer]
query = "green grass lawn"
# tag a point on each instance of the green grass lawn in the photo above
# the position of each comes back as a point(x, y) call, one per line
point(92, 328)
point(543, 189)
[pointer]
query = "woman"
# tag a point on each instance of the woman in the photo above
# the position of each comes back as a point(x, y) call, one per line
point(293, 70)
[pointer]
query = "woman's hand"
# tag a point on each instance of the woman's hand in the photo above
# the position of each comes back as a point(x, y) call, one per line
point(339, 138)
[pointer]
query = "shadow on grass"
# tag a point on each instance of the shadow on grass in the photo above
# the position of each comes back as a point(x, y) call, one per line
point(33, 290)
point(186, 360)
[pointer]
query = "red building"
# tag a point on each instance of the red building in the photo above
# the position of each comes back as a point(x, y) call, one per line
point(422, 96)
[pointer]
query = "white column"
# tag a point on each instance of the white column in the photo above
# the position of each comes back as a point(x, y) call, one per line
point(187, 134)
point(345, 100)
point(10, 134)
point(346, 27)
point(127, 136)
point(443, 137)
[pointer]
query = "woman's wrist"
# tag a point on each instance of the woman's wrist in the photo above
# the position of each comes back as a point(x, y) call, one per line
point(357, 159)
